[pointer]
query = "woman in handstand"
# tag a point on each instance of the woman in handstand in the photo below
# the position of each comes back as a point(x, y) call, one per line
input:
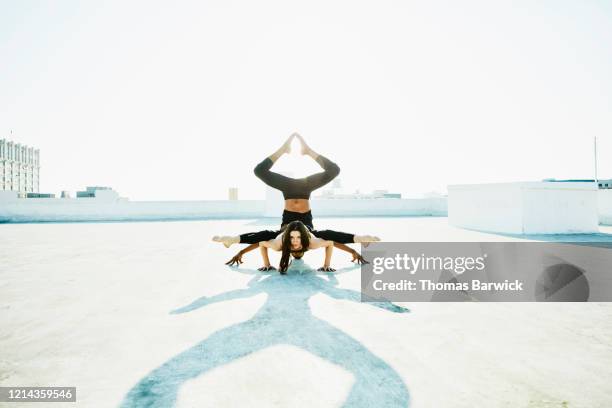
point(297, 203)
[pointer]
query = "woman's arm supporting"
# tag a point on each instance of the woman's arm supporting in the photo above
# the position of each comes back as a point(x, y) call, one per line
point(329, 249)
point(266, 260)
point(316, 243)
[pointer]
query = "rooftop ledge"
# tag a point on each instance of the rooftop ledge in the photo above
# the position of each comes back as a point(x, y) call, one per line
point(532, 185)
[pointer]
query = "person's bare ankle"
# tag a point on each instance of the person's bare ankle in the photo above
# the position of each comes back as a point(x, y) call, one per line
point(305, 149)
point(287, 145)
point(366, 239)
point(226, 240)
point(286, 148)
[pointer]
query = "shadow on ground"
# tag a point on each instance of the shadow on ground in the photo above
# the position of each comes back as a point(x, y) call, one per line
point(285, 318)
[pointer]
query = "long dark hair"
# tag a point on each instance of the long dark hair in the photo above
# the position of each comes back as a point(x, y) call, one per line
point(286, 245)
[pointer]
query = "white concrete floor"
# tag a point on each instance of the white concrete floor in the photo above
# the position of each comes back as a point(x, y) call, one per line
point(88, 305)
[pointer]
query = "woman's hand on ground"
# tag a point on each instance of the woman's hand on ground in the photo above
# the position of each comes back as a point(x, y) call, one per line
point(266, 268)
point(237, 259)
point(326, 269)
point(360, 259)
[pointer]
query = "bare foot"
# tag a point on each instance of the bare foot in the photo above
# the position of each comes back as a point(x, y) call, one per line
point(226, 240)
point(366, 239)
point(286, 147)
point(305, 149)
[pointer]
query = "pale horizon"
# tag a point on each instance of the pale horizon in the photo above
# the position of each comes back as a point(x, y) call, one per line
point(181, 102)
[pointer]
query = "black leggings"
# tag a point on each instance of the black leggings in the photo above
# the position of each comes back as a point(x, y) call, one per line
point(297, 188)
point(306, 218)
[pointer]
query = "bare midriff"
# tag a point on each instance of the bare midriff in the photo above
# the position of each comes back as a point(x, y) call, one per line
point(300, 205)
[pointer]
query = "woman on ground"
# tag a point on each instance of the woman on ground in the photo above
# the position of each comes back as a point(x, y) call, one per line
point(294, 241)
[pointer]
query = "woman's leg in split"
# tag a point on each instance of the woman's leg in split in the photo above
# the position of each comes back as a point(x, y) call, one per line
point(248, 238)
point(365, 239)
point(227, 240)
point(342, 238)
point(256, 240)
point(336, 236)
point(256, 237)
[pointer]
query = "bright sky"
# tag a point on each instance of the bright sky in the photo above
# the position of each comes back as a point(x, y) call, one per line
point(180, 100)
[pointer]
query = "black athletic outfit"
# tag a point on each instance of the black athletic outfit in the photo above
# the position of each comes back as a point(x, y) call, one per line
point(297, 188)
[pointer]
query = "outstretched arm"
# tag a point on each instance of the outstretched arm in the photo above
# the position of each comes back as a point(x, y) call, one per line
point(356, 256)
point(347, 294)
point(237, 259)
point(203, 301)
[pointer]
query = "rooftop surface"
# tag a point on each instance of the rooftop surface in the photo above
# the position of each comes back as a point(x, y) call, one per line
point(147, 314)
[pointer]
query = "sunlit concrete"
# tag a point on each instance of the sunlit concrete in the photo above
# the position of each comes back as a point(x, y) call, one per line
point(147, 314)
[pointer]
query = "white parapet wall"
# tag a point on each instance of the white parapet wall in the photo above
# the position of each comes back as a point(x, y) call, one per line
point(8, 196)
point(435, 206)
point(108, 209)
point(525, 207)
point(605, 206)
point(356, 207)
point(107, 206)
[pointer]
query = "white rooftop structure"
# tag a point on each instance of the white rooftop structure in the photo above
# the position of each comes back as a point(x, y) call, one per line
point(525, 207)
